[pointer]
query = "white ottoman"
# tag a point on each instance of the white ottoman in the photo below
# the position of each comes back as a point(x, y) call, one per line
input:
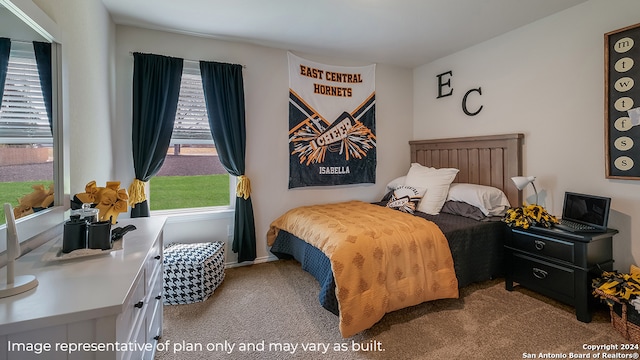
point(192, 271)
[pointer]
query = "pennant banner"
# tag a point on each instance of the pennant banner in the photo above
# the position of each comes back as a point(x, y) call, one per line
point(332, 114)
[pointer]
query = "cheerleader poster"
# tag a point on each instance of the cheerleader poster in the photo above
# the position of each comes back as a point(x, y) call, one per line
point(332, 111)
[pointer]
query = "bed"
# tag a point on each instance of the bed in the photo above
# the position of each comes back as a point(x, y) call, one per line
point(475, 247)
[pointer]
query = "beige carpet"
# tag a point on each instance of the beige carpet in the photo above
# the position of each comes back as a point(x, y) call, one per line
point(263, 310)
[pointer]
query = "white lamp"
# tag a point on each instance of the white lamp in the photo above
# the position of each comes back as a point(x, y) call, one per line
point(522, 181)
point(14, 284)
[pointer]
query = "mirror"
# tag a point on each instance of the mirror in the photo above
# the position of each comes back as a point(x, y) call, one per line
point(39, 143)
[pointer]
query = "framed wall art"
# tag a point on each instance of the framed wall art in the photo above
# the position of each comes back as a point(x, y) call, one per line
point(622, 103)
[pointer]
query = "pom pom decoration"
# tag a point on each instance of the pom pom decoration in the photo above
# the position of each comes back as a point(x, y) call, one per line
point(618, 285)
point(529, 215)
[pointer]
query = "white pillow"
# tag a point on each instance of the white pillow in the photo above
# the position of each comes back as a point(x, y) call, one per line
point(490, 200)
point(436, 181)
point(393, 184)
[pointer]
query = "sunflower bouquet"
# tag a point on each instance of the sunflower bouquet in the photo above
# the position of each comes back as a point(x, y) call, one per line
point(529, 215)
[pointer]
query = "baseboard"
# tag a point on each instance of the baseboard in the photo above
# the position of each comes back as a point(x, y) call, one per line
point(259, 260)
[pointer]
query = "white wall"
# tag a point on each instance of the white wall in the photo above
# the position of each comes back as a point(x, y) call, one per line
point(544, 80)
point(266, 96)
point(87, 49)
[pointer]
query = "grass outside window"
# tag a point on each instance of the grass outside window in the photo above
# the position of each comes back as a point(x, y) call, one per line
point(167, 192)
point(184, 192)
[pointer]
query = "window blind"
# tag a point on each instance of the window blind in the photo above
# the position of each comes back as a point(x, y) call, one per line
point(191, 125)
point(23, 116)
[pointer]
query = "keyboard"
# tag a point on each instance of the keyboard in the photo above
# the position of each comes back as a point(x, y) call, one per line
point(576, 227)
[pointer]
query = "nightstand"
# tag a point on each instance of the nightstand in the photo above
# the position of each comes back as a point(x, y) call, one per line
point(558, 264)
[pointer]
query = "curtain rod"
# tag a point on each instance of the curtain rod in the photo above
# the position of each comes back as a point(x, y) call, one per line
point(189, 60)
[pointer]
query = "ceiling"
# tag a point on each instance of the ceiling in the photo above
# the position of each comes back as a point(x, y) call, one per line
point(406, 33)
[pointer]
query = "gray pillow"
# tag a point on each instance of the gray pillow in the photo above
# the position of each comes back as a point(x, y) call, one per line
point(463, 209)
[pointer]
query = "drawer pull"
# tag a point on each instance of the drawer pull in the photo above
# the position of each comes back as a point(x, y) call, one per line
point(539, 273)
point(158, 297)
point(156, 338)
point(138, 305)
point(539, 244)
point(157, 257)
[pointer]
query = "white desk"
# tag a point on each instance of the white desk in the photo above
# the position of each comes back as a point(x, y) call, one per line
point(112, 299)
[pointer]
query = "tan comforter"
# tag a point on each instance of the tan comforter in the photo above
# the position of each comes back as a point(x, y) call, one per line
point(382, 259)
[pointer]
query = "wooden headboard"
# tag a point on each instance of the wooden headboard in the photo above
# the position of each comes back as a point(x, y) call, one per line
point(485, 160)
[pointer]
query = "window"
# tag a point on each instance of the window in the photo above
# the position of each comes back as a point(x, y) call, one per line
point(192, 175)
point(26, 142)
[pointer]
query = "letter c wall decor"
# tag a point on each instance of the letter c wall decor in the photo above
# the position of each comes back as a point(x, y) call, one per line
point(464, 102)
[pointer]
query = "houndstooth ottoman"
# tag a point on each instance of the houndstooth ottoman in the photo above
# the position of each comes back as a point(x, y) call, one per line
point(192, 271)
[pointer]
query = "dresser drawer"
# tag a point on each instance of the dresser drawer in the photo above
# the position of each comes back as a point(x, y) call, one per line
point(543, 276)
point(154, 328)
point(137, 337)
point(133, 309)
point(154, 307)
point(153, 264)
point(543, 246)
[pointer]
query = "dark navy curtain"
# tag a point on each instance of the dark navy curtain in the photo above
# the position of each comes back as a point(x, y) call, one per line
point(5, 49)
point(156, 86)
point(224, 98)
point(42, 51)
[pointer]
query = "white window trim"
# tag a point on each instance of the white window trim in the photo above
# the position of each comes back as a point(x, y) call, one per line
point(196, 214)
